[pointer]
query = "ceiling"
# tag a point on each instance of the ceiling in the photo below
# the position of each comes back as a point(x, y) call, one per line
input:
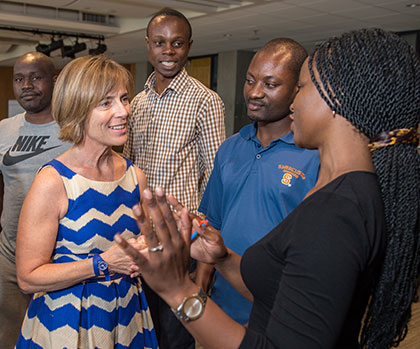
point(218, 25)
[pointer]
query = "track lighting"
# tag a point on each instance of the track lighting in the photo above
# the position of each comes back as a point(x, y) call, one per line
point(47, 49)
point(101, 48)
point(70, 51)
point(66, 51)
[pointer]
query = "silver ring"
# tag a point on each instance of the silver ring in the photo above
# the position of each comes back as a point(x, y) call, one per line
point(158, 248)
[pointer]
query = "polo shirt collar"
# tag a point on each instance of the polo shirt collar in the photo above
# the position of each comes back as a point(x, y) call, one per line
point(178, 84)
point(250, 133)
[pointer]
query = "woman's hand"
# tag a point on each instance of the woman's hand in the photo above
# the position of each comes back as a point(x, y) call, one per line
point(164, 268)
point(208, 247)
point(118, 261)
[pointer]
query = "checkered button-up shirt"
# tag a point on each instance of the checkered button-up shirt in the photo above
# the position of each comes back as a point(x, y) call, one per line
point(173, 137)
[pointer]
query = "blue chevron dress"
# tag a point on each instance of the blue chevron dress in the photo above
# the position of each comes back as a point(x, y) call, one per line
point(95, 313)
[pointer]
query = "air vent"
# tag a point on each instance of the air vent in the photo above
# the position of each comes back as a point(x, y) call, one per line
point(56, 13)
point(94, 18)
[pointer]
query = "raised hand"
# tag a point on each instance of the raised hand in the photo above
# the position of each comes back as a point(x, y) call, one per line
point(208, 247)
point(164, 263)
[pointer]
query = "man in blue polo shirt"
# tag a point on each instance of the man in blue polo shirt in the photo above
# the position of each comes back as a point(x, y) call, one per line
point(259, 174)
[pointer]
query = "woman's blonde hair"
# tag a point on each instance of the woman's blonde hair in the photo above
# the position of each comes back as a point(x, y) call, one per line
point(80, 86)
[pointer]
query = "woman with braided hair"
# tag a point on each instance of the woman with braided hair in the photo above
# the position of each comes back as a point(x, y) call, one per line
point(372, 79)
point(353, 240)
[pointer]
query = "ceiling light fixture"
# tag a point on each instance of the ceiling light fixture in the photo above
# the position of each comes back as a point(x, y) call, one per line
point(412, 5)
point(255, 37)
point(47, 49)
point(66, 50)
point(70, 51)
point(54, 33)
point(101, 48)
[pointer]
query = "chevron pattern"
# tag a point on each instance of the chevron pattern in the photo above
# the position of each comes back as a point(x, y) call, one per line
point(94, 313)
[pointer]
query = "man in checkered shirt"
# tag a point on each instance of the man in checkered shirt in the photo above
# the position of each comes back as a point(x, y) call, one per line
point(174, 131)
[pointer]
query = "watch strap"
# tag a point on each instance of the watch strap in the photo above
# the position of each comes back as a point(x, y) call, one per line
point(100, 264)
point(95, 264)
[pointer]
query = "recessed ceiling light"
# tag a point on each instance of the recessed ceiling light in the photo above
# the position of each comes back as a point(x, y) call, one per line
point(412, 5)
point(255, 37)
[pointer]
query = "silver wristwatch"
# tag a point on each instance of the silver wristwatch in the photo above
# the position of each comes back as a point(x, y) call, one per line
point(191, 307)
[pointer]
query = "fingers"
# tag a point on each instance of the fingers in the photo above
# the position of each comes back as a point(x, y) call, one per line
point(166, 223)
point(208, 233)
point(174, 202)
point(178, 206)
point(197, 227)
point(185, 225)
point(166, 226)
point(210, 243)
point(178, 220)
point(143, 221)
point(139, 243)
point(129, 250)
point(118, 261)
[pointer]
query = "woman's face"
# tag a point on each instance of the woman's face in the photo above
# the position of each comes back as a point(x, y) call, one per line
point(309, 112)
point(107, 123)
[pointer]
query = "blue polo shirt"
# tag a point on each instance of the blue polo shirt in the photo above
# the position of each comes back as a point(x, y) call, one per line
point(250, 191)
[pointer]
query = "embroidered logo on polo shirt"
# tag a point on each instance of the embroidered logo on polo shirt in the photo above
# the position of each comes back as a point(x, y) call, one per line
point(289, 173)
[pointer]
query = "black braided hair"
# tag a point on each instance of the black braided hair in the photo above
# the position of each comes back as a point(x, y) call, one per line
point(372, 78)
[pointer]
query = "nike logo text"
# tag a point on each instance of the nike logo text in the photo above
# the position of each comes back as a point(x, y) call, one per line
point(32, 144)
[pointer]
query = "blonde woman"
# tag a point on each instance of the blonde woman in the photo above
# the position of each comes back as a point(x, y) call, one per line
point(84, 296)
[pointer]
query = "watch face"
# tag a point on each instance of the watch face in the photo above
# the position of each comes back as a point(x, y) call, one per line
point(102, 265)
point(193, 307)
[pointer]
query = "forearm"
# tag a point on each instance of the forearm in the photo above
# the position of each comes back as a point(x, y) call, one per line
point(214, 329)
point(54, 276)
point(204, 274)
point(230, 270)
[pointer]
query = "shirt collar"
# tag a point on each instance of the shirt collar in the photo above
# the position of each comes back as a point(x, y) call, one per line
point(250, 133)
point(178, 84)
